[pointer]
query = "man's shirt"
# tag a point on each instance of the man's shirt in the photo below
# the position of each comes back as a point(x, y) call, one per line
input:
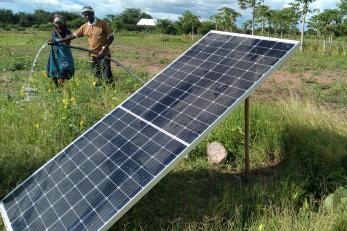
point(98, 33)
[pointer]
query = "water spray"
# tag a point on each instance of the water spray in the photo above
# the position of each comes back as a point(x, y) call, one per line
point(36, 57)
point(29, 91)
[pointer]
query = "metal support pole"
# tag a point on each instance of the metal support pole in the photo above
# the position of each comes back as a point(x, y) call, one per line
point(246, 161)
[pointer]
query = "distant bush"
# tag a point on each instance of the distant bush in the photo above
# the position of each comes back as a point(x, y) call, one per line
point(18, 27)
point(168, 27)
point(75, 23)
point(172, 39)
point(47, 26)
point(206, 27)
point(7, 27)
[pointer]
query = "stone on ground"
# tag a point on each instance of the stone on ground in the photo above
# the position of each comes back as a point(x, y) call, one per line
point(216, 153)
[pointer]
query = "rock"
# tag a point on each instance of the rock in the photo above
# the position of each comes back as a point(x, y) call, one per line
point(216, 153)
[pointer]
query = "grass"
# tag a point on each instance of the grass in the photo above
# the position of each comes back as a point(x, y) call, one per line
point(335, 93)
point(298, 147)
point(313, 60)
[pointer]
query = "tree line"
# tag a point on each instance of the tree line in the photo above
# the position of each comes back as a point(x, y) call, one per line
point(39, 19)
point(265, 21)
point(42, 19)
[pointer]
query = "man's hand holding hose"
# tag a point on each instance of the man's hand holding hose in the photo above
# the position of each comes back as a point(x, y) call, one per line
point(57, 41)
point(101, 53)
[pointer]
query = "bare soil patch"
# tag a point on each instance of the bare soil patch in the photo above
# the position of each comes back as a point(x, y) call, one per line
point(282, 84)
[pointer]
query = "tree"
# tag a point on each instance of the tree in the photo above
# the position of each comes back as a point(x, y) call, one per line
point(70, 16)
point(116, 22)
point(270, 20)
point(167, 26)
point(217, 21)
point(227, 18)
point(75, 23)
point(263, 13)
point(205, 27)
point(25, 19)
point(39, 19)
point(189, 22)
point(285, 20)
point(247, 26)
point(342, 5)
point(244, 4)
point(7, 16)
point(328, 23)
point(276, 21)
point(42, 17)
point(302, 8)
point(131, 16)
point(314, 24)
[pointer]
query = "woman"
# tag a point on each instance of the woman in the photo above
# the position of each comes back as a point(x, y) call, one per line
point(60, 64)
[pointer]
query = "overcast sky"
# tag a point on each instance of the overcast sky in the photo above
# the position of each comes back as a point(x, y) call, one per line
point(170, 9)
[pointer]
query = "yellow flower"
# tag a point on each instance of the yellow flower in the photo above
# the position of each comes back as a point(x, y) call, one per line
point(94, 83)
point(22, 91)
point(37, 125)
point(65, 102)
point(261, 227)
point(306, 205)
point(44, 74)
point(73, 100)
point(81, 122)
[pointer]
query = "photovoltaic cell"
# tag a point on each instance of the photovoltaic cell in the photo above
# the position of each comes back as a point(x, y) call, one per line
point(99, 176)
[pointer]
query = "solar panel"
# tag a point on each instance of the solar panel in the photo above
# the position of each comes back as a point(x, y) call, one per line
point(91, 183)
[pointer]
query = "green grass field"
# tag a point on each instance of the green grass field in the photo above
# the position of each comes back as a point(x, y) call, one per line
point(298, 178)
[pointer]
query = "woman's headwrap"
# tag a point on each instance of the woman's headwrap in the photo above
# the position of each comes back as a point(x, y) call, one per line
point(58, 19)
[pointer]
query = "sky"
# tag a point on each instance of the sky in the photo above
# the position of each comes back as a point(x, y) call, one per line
point(159, 9)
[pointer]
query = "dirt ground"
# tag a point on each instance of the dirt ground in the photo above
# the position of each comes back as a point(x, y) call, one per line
point(282, 84)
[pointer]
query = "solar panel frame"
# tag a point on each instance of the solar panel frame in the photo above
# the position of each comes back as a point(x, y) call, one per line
point(5, 217)
point(213, 125)
point(189, 147)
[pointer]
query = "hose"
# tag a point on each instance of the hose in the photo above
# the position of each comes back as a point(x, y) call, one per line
point(106, 57)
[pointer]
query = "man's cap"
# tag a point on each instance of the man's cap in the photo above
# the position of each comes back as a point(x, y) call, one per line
point(87, 9)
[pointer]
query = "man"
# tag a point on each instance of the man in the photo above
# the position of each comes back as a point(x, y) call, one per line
point(100, 36)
